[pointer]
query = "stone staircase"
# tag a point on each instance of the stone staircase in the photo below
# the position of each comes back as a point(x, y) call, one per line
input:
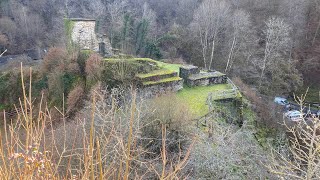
point(159, 82)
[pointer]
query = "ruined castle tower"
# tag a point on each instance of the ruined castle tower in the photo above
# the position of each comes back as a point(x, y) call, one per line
point(84, 35)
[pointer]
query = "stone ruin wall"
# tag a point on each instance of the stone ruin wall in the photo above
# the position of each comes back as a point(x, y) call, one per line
point(160, 89)
point(186, 72)
point(83, 34)
point(207, 81)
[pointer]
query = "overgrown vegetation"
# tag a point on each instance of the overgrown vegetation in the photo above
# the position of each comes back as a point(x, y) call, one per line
point(196, 97)
point(33, 148)
point(68, 24)
point(60, 73)
point(76, 115)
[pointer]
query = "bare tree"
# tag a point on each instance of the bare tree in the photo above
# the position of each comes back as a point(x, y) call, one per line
point(185, 11)
point(295, 13)
point(96, 8)
point(150, 16)
point(277, 43)
point(242, 37)
point(316, 5)
point(116, 10)
point(302, 160)
point(209, 21)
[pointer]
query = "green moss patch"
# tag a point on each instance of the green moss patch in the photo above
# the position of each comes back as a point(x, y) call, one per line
point(172, 67)
point(155, 73)
point(196, 97)
point(68, 25)
point(166, 80)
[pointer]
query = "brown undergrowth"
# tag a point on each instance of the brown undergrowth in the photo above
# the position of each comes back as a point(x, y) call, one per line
point(32, 148)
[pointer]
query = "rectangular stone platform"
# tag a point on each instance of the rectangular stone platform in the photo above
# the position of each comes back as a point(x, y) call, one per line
point(206, 79)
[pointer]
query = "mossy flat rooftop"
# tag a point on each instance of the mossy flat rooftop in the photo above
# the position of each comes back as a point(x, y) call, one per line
point(155, 73)
point(166, 80)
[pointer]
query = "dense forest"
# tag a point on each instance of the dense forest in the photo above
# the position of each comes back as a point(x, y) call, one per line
point(264, 42)
point(76, 114)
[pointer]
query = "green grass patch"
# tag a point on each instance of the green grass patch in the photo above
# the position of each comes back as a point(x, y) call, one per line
point(162, 81)
point(196, 97)
point(155, 73)
point(172, 67)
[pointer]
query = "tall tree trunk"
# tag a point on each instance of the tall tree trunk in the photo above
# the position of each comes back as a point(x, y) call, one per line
point(231, 52)
point(264, 64)
point(212, 53)
point(25, 20)
point(204, 44)
point(316, 33)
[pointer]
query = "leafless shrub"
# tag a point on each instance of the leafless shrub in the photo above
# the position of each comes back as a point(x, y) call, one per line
point(94, 67)
point(175, 115)
point(230, 153)
point(84, 148)
point(75, 98)
point(302, 160)
point(56, 57)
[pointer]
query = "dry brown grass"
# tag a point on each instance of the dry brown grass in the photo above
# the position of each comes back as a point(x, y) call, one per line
point(32, 148)
point(93, 67)
point(75, 98)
